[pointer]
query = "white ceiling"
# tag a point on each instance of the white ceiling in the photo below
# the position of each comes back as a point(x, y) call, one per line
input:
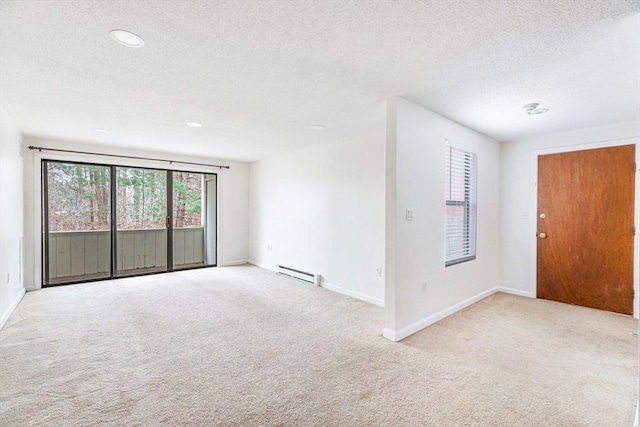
point(262, 72)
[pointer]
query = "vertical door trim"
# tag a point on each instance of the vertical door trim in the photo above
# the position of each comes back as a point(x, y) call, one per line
point(533, 217)
point(206, 210)
point(36, 225)
point(113, 193)
point(44, 240)
point(169, 221)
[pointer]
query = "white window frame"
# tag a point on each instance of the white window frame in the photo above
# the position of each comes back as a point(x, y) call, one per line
point(461, 178)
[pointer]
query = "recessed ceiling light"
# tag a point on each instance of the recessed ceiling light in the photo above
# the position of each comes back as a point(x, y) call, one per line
point(127, 38)
point(317, 127)
point(532, 109)
point(194, 124)
point(100, 130)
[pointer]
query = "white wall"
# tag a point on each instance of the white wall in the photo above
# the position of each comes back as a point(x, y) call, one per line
point(416, 145)
point(11, 217)
point(233, 214)
point(321, 209)
point(233, 197)
point(517, 193)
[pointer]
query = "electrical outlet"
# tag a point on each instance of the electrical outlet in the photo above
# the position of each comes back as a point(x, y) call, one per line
point(269, 248)
point(424, 286)
point(524, 214)
point(379, 271)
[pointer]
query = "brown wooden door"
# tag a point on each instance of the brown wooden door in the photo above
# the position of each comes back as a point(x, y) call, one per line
point(585, 228)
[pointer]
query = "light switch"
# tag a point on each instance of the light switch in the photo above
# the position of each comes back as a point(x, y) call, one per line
point(409, 216)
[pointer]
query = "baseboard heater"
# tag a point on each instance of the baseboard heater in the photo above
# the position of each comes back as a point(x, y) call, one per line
point(314, 279)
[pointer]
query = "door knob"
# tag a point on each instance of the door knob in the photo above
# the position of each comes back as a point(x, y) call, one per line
point(542, 235)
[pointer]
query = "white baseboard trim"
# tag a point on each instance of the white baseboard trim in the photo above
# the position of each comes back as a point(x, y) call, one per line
point(331, 287)
point(390, 335)
point(263, 265)
point(232, 263)
point(512, 291)
point(430, 320)
point(12, 307)
point(357, 295)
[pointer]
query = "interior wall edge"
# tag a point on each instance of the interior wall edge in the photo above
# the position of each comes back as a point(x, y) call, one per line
point(7, 313)
point(424, 287)
point(12, 210)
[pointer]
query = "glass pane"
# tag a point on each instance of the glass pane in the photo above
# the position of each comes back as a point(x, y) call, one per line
point(188, 220)
point(79, 221)
point(141, 196)
point(460, 194)
point(455, 233)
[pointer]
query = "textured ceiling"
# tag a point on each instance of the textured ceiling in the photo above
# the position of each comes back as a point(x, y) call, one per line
point(262, 72)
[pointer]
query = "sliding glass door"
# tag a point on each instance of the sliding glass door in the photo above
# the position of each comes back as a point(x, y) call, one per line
point(77, 222)
point(105, 221)
point(141, 220)
point(188, 225)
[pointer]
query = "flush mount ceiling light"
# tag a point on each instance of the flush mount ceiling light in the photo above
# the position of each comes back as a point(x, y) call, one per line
point(317, 127)
point(532, 109)
point(100, 130)
point(194, 124)
point(127, 38)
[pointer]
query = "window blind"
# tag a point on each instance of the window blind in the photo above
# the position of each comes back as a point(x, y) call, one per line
point(461, 206)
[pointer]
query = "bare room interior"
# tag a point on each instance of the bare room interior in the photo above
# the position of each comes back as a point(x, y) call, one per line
point(319, 213)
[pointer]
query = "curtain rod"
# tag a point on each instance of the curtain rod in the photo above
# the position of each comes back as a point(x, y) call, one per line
point(31, 147)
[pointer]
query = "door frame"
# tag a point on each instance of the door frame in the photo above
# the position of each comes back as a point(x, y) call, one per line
point(533, 221)
point(39, 156)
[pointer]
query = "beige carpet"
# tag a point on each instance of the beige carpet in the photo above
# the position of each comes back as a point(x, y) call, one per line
point(241, 346)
